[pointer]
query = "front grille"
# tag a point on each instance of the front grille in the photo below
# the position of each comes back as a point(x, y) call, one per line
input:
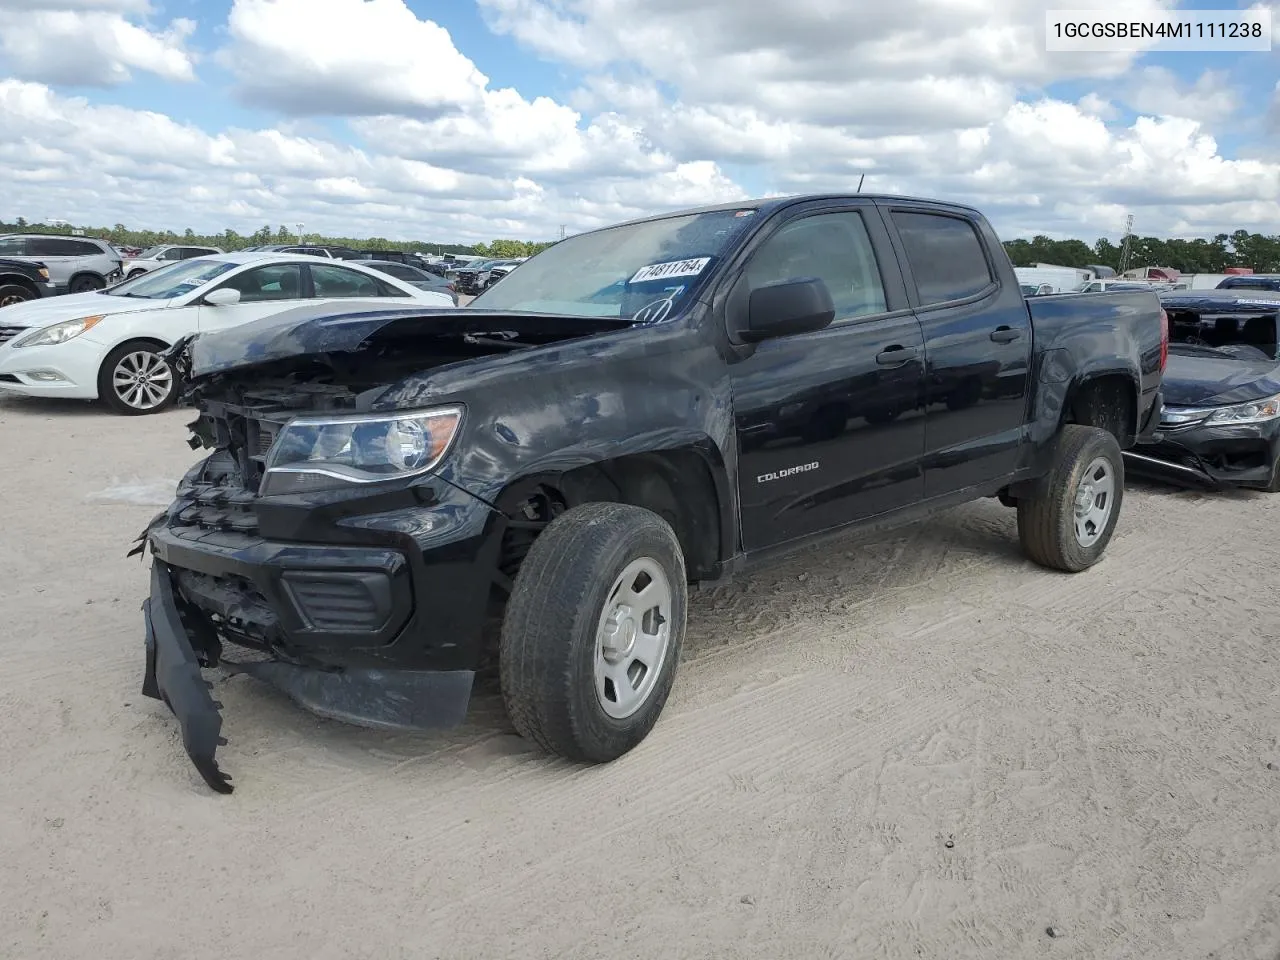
point(8, 333)
point(218, 504)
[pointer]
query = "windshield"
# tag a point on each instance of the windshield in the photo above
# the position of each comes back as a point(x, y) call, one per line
point(643, 271)
point(172, 281)
point(150, 252)
point(1246, 334)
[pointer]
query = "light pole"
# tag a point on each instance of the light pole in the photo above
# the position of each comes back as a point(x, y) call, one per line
point(299, 226)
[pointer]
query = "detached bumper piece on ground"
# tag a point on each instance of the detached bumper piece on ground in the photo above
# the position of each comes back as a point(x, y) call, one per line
point(381, 699)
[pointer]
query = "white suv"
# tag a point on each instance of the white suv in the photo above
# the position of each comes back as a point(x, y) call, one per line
point(75, 264)
point(154, 257)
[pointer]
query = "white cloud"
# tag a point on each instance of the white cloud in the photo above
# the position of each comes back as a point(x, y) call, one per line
point(347, 57)
point(930, 97)
point(91, 42)
point(1159, 92)
point(150, 170)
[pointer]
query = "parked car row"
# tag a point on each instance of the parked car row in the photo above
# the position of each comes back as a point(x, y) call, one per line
point(73, 264)
point(106, 344)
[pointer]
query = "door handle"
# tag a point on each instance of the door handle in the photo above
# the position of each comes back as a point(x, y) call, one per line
point(896, 355)
point(1003, 334)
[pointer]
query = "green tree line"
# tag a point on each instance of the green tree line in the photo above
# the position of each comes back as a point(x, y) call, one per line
point(1200, 255)
point(230, 240)
point(1214, 255)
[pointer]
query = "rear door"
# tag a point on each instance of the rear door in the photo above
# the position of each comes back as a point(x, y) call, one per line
point(56, 254)
point(829, 424)
point(977, 340)
point(330, 281)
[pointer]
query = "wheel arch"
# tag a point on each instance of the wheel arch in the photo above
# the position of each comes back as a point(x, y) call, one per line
point(686, 485)
point(19, 280)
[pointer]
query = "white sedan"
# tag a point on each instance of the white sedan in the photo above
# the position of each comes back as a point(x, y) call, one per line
point(105, 345)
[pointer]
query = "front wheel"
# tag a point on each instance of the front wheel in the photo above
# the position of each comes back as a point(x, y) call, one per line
point(1067, 519)
point(592, 632)
point(86, 284)
point(134, 379)
point(11, 293)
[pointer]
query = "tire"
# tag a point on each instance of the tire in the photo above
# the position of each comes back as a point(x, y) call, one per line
point(136, 273)
point(553, 651)
point(86, 283)
point(1047, 521)
point(11, 293)
point(132, 357)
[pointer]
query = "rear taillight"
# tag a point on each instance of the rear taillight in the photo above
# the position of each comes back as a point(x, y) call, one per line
point(1164, 340)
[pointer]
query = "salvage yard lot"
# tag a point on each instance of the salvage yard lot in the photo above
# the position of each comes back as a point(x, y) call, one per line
point(915, 744)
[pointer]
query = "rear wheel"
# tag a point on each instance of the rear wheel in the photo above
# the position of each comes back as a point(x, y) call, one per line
point(1066, 521)
point(11, 293)
point(136, 380)
point(135, 273)
point(592, 632)
point(86, 283)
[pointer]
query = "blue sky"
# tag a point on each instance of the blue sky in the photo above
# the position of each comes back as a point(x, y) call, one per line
point(485, 117)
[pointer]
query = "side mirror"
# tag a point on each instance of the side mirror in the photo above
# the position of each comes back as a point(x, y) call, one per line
point(222, 297)
point(800, 305)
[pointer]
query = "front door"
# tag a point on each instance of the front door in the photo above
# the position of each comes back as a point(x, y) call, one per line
point(829, 424)
point(977, 338)
point(265, 290)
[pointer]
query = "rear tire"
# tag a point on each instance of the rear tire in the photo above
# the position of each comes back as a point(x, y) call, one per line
point(133, 380)
point(86, 284)
point(582, 612)
point(11, 293)
point(1066, 520)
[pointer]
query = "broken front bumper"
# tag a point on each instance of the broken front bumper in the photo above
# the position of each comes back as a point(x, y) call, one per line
point(382, 699)
point(1219, 456)
point(173, 675)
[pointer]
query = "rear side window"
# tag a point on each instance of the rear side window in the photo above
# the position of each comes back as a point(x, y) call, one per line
point(57, 247)
point(400, 270)
point(945, 255)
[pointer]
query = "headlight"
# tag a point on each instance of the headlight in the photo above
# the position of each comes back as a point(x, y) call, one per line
point(326, 453)
point(58, 333)
point(1256, 412)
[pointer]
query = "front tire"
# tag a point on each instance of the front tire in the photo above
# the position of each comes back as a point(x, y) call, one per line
point(134, 379)
point(1067, 519)
point(11, 293)
point(593, 629)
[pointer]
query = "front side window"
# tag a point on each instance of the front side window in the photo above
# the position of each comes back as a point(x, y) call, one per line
point(13, 247)
point(278, 281)
point(834, 247)
point(171, 281)
point(945, 254)
point(645, 270)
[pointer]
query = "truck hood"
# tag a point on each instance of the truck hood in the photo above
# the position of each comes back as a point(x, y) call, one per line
point(41, 313)
point(1202, 380)
point(319, 329)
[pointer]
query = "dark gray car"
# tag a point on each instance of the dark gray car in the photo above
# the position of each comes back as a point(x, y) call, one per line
point(412, 275)
point(75, 264)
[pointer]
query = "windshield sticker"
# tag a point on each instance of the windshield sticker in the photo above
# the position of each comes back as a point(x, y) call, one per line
point(675, 268)
point(658, 310)
point(745, 213)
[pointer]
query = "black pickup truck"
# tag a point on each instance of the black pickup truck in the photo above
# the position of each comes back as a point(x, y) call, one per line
point(634, 410)
point(21, 281)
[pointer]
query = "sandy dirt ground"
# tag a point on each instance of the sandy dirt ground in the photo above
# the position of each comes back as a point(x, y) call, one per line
point(914, 745)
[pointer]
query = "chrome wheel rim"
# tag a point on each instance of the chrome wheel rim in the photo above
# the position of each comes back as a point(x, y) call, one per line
point(1094, 501)
point(633, 638)
point(142, 380)
point(11, 299)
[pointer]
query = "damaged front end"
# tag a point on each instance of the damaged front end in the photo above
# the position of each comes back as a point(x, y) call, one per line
point(315, 548)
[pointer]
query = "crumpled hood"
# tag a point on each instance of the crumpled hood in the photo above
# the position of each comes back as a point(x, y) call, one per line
point(344, 327)
point(1194, 380)
point(41, 313)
